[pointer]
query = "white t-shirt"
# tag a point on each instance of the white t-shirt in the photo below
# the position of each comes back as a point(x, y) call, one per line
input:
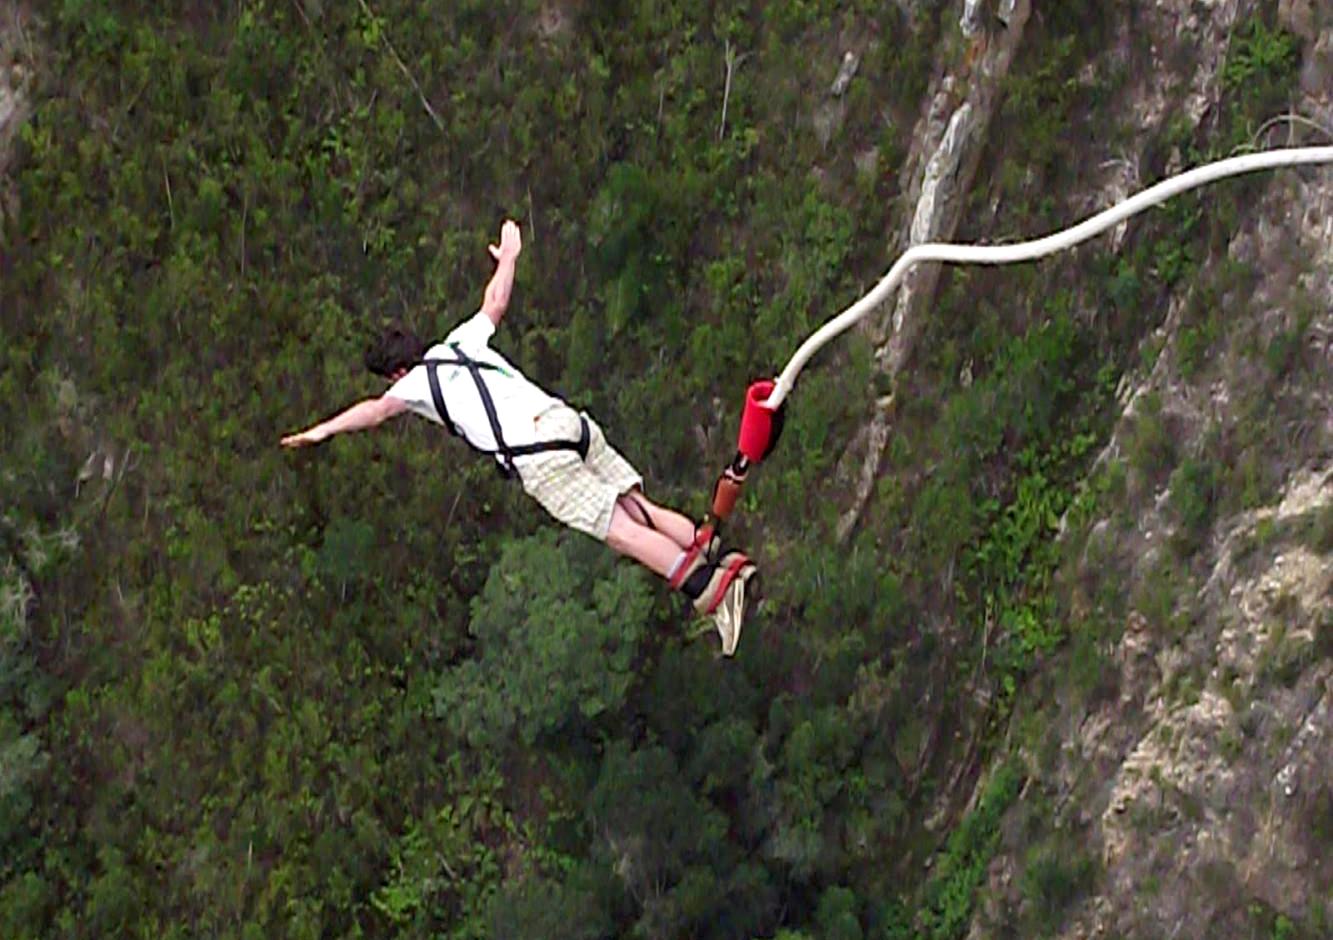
point(518, 401)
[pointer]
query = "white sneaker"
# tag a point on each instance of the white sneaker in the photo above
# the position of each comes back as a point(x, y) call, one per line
point(729, 616)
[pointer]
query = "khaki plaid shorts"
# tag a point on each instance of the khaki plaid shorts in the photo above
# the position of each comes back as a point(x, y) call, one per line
point(581, 493)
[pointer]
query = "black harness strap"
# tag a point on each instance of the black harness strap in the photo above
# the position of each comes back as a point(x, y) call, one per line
point(539, 447)
point(504, 450)
point(631, 498)
point(437, 393)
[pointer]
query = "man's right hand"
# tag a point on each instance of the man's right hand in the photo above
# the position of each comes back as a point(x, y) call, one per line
point(510, 241)
point(305, 438)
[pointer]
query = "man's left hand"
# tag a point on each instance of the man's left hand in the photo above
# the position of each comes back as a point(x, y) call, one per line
point(510, 241)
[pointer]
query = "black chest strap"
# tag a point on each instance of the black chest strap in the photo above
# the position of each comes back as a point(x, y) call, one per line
point(505, 451)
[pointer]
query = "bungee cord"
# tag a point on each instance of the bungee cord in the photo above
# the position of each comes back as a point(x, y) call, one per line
point(762, 414)
point(1038, 248)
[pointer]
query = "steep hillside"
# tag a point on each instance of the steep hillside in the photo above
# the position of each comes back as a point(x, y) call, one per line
point(1047, 649)
point(1180, 781)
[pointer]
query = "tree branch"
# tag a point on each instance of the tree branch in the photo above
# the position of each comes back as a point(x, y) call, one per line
point(733, 62)
point(402, 67)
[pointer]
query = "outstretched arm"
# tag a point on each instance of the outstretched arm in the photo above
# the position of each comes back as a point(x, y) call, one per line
point(501, 284)
point(361, 416)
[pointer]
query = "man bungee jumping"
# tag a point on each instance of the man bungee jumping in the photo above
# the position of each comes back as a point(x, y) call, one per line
point(559, 454)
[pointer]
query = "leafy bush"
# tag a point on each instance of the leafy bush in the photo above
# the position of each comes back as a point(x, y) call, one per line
point(1150, 444)
point(558, 635)
point(1053, 879)
point(947, 897)
point(540, 907)
point(1193, 488)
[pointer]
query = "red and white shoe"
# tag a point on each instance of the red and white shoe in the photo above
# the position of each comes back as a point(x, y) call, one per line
point(729, 615)
point(715, 581)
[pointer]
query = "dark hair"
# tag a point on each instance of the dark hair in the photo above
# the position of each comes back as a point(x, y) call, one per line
point(395, 349)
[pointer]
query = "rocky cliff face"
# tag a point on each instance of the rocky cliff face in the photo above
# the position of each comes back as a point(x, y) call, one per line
point(1188, 794)
point(1194, 781)
point(1212, 811)
point(16, 64)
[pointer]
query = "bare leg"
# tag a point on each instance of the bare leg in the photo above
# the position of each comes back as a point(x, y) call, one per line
point(648, 547)
point(667, 521)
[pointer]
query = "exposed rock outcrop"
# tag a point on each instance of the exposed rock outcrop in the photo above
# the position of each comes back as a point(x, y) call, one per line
point(1220, 802)
point(950, 137)
point(16, 67)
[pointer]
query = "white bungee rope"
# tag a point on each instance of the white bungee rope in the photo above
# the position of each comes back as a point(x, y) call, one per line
point(1039, 248)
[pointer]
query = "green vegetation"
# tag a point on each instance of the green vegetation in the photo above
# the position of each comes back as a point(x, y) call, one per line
point(1054, 878)
point(1265, 923)
point(1193, 487)
point(946, 898)
point(1258, 73)
point(1051, 107)
point(1150, 447)
point(369, 691)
